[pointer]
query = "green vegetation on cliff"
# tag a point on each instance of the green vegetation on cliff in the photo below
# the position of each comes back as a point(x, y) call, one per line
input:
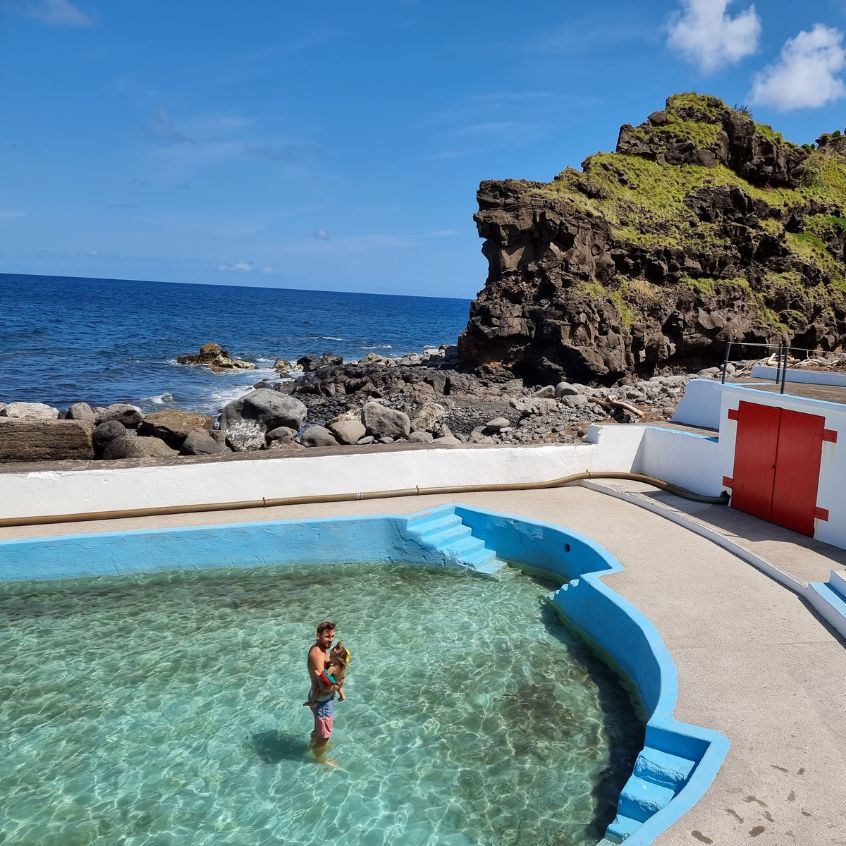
point(679, 184)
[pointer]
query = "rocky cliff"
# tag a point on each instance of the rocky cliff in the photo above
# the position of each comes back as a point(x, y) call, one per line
point(703, 226)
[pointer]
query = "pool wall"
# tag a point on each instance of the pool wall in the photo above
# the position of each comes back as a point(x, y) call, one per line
point(678, 762)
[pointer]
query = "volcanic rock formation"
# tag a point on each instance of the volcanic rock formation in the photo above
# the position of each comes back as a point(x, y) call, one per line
point(702, 227)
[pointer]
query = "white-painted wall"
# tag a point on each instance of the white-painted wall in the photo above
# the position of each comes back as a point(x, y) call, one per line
point(109, 489)
point(833, 465)
point(682, 458)
point(700, 405)
point(809, 377)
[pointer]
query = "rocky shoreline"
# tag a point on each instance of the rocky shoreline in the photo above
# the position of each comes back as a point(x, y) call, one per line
point(418, 398)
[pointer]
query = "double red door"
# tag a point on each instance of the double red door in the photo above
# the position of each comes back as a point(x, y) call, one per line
point(777, 465)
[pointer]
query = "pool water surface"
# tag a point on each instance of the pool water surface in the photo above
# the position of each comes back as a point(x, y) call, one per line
point(167, 709)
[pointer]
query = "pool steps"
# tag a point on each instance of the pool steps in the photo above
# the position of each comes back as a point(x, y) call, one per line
point(444, 530)
point(658, 777)
point(829, 599)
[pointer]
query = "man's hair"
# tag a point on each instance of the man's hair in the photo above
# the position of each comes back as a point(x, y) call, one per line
point(325, 626)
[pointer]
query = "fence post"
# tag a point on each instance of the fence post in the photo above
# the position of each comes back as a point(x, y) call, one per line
point(778, 364)
point(725, 362)
point(784, 368)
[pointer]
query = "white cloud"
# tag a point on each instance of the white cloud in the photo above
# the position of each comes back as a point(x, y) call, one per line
point(706, 35)
point(268, 268)
point(239, 266)
point(805, 76)
point(53, 12)
point(321, 234)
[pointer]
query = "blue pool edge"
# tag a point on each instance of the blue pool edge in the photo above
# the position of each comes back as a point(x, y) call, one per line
point(679, 761)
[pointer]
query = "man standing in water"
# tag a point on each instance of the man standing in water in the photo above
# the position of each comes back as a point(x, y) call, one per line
point(323, 709)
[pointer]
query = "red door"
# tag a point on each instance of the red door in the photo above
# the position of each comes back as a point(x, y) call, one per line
point(754, 459)
point(777, 465)
point(797, 475)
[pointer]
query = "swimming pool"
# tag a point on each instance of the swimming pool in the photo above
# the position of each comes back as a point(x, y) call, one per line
point(233, 722)
point(168, 709)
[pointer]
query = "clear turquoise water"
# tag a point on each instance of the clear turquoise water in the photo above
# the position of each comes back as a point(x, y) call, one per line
point(167, 709)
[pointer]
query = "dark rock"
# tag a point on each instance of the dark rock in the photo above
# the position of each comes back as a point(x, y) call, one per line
point(310, 363)
point(384, 422)
point(137, 448)
point(107, 432)
point(129, 415)
point(173, 425)
point(32, 439)
point(283, 434)
point(419, 437)
point(317, 436)
point(266, 407)
point(200, 442)
point(215, 358)
point(348, 431)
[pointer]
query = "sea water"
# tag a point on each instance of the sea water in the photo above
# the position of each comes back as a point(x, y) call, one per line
point(168, 709)
point(65, 340)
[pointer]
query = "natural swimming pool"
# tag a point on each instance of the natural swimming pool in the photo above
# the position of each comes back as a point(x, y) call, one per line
point(167, 709)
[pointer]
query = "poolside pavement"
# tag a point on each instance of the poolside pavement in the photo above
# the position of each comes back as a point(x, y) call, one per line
point(754, 662)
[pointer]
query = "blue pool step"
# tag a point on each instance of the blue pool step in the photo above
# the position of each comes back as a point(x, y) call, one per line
point(829, 599)
point(658, 776)
point(444, 530)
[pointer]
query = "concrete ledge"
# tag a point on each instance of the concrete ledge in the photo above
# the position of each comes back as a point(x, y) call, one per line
point(797, 374)
point(105, 488)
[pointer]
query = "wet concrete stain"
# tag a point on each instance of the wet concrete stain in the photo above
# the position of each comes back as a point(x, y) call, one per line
point(791, 797)
point(734, 814)
point(757, 831)
point(756, 800)
point(698, 835)
point(780, 769)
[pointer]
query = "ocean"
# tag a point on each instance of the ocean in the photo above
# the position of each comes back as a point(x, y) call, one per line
point(66, 339)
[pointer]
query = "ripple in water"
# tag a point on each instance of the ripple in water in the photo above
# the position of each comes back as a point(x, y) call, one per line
point(167, 709)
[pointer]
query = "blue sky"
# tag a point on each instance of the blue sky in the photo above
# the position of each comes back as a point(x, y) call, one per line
point(339, 146)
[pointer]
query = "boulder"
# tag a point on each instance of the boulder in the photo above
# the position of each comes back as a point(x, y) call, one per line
point(317, 436)
point(81, 411)
point(565, 389)
point(33, 439)
point(245, 436)
point(497, 424)
point(420, 437)
point(447, 440)
point(281, 434)
point(266, 407)
point(384, 422)
point(348, 431)
point(173, 425)
point(200, 442)
point(107, 432)
point(547, 392)
point(428, 417)
point(215, 358)
point(310, 363)
point(123, 412)
point(137, 448)
point(29, 411)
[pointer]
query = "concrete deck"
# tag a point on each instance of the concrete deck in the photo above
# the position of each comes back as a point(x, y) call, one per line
point(753, 660)
point(829, 393)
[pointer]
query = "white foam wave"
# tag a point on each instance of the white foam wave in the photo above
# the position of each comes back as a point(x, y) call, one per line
point(330, 338)
point(161, 399)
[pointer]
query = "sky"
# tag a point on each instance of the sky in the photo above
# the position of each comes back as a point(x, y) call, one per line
point(339, 146)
